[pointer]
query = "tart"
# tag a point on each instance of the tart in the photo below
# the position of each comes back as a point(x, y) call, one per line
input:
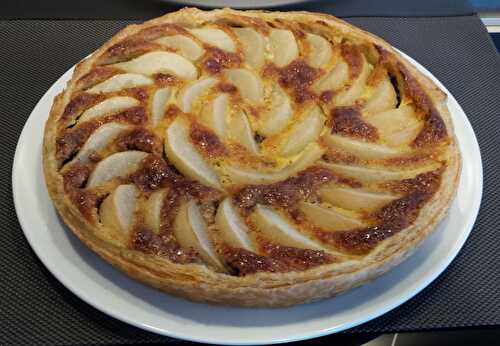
point(250, 158)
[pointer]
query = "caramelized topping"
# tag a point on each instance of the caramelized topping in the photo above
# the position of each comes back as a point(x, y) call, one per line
point(217, 60)
point(148, 242)
point(285, 193)
point(97, 75)
point(298, 78)
point(393, 218)
point(278, 259)
point(425, 182)
point(165, 79)
point(75, 177)
point(85, 201)
point(80, 103)
point(140, 139)
point(153, 174)
point(207, 140)
point(245, 262)
point(352, 55)
point(434, 128)
point(72, 139)
point(348, 121)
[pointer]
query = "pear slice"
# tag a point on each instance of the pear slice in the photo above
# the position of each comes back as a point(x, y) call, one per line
point(100, 139)
point(191, 232)
point(279, 114)
point(241, 132)
point(237, 175)
point(118, 209)
point(159, 104)
point(329, 218)
point(375, 175)
point(152, 209)
point(253, 46)
point(383, 99)
point(283, 46)
point(232, 228)
point(215, 37)
point(349, 96)
point(278, 230)
point(359, 148)
point(185, 46)
point(109, 106)
point(188, 96)
point(183, 154)
point(248, 84)
point(304, 132)
point(335, 79)
point(157, 62)
point(354, 199)
point(119, 164)
point(214, 116)
point(120, 82)
point(320, 53)
point(398, 126)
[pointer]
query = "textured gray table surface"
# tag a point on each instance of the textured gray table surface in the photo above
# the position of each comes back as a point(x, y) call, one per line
point(36, 309)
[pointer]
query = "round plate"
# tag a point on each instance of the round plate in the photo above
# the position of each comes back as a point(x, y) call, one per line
point(112, 292)
point(236, 3)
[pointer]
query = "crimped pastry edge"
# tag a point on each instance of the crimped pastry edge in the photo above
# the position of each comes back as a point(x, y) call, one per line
point(198, 283)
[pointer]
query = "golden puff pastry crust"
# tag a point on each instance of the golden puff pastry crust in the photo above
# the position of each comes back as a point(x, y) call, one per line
point(250, 158)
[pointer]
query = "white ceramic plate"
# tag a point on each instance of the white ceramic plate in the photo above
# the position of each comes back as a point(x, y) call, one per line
point(110, 291)
point(236, 3)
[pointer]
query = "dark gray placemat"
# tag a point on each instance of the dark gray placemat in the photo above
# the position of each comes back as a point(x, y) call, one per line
point(36, 309)
point(145, 9)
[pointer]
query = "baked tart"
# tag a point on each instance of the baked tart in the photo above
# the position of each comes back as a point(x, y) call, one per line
point(250, 158)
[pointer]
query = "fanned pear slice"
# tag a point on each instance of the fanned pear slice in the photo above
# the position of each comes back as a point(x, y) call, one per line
point(248, 84)
point(360, 148)
point(277, 229)
point(238, 175)
point(100, 139)
point(215, 115)
point(152, 209)
point(109, 106)
point(304, 132)
point(120, 82)
point(335, 79)
point(118, 209)
point(279, 114)
point(188, 96)
point(320, 53)
point(254, 46)
point(241, 132)
point(232, 228)
point(329, 218)
point(384, 98)
point(283, 46)
point(183, 154)
point(184, 45)
point(215, 37)
point(375, 175)
point(398, 126)
point(119, 164)
point(354, 199)
point(159, 104)
point(191, 232)
point(350, 95)
point(157, 62)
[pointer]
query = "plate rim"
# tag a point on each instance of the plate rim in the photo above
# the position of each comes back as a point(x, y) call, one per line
point(224, 3)
point(471, 218)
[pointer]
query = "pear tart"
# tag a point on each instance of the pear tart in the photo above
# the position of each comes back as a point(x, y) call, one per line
point(250, 158)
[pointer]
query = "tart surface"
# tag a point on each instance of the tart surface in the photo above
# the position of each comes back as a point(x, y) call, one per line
point(250, 158)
